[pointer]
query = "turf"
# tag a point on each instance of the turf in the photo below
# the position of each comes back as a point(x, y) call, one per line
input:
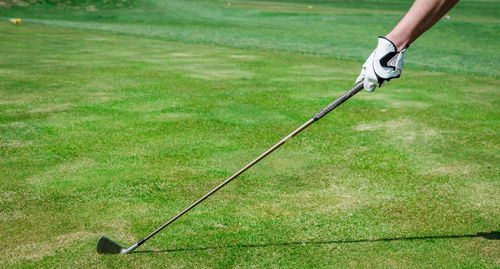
point(108, 128)
point(332, 28)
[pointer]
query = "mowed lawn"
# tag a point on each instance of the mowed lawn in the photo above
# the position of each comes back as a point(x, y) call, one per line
point(112, 133)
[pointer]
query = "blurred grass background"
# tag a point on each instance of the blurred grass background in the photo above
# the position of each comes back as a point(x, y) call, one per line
point(467, 42)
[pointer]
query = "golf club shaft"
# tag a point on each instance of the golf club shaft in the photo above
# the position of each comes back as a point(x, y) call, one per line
point(358, 87)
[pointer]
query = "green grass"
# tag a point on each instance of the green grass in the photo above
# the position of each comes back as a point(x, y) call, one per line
point(112, 132)
point(345, 30)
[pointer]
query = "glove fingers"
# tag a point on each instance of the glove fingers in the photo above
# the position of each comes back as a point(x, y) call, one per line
point(371, 80)
point(361, 77)
point(369, 85)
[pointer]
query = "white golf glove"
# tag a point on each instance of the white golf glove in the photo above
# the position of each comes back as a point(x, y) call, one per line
point(384, 64)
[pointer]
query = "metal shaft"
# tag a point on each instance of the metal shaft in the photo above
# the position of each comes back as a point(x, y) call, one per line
point(358, 87)
point(246, 167)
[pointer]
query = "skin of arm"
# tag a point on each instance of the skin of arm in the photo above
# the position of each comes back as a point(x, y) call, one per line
point(422, 15)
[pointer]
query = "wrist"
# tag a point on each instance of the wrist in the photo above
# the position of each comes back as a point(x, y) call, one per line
point(399, 43)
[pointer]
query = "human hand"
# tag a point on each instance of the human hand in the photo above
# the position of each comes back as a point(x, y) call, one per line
point(384, 64)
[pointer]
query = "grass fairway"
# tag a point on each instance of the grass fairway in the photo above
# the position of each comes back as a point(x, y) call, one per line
point(113, 120)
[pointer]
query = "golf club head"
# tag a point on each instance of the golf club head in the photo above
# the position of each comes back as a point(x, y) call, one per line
point(108, 246)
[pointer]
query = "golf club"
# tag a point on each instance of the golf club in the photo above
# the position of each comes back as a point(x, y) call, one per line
point(107, 246)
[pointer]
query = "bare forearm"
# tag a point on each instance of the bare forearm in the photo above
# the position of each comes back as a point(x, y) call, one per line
point(422, 15)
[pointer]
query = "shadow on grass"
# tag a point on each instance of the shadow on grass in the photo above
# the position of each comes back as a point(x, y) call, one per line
point(488, 235)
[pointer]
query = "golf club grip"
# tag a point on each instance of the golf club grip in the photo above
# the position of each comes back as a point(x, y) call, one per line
point(348, 94)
